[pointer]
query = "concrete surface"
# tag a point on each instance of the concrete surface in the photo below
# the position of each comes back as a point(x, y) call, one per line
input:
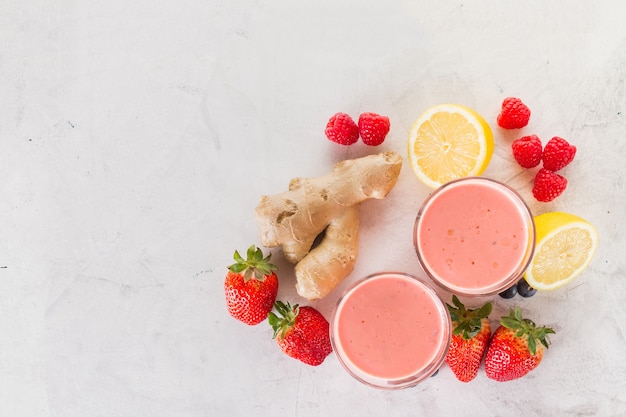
point(137, 137)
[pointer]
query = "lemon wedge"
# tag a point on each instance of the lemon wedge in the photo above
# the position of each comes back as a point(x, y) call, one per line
point(565, 245)
point(449, 141)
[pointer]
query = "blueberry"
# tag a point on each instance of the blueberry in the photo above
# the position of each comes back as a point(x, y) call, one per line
point(435, 373)
point(524, 289)
point(509, 292)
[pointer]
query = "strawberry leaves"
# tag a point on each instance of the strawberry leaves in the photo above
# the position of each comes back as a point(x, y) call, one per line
point(527, 328)
point(284, 320)
point(467, 322)
point(254, 265)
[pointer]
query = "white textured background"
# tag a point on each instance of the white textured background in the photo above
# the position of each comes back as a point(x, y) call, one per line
point(136, 138)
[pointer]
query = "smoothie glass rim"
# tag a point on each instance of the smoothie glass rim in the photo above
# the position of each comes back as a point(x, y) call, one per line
point(506, 282)
point(418, 376)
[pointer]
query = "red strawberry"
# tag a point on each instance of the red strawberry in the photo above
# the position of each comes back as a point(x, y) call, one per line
point(548, 185)
point(470, 337)
point(301, 332)
point(251, 287)
point(558, 153)
point(527, 151)
point(516, 347)
point(373, 128)
point(514, 114)
point(341, 129)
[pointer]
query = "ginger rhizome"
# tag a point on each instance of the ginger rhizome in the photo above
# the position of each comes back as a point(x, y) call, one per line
point(327, 208)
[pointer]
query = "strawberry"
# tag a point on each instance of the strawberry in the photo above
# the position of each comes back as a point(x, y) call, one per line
point(341, 129)
point(301, 332)
point(470, 337)
point(558, 153)
point(373, 128)
point(514, 114)
point(251, 286)
point(527, 151)
point(548, 185)
point(516, 347)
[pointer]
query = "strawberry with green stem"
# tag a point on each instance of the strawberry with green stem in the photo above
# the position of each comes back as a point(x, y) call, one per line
point(251, 286)
point(470, 336)
point(301, 332)
point(516, 347)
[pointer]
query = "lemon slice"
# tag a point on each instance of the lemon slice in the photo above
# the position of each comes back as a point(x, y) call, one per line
point(565, 246)
point(449, 141)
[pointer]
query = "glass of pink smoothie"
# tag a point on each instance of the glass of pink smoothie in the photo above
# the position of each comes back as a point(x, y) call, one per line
point(390, 330)
point(474, 236)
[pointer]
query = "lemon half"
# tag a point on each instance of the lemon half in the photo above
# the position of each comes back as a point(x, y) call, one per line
point(565, 245)
point(449, 141)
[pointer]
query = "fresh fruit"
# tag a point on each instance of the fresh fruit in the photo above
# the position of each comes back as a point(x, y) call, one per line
point(509, 292)
point(301, 332)
point(521, 287)
point(524, 289)
point(449, 141)
point(514, 114)
point(373, 128)
point(516, 347)
point(470, 336)
point(558, 153)
point(527, 151)
point(251, 286)
point(565, 246)
point(341, 129)
point(548, 185)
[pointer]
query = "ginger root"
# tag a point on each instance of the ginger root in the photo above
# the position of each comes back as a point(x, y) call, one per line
point(325, 207)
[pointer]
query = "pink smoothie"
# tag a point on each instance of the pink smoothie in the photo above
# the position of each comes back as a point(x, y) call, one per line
point(474, 236)
point(390, 327)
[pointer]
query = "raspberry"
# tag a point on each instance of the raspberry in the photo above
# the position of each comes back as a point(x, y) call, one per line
point(548, 185)
point(557, 154)
point(341, 129)
point(373, 128)
point(514, 114)
point(527, 151)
